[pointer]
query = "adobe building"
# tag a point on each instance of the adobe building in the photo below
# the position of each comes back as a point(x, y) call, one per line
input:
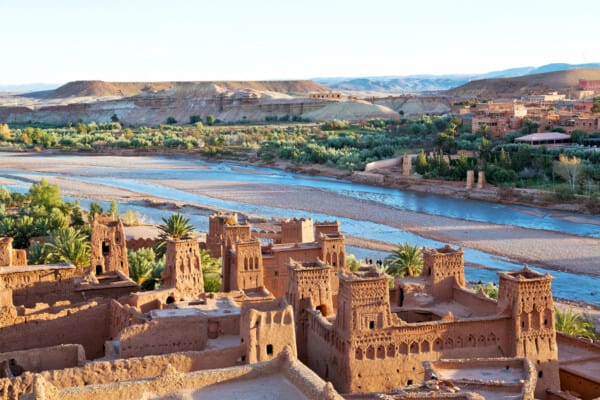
point(369, 345)
point(417, 337)
point(249, 264)
point(108, 251)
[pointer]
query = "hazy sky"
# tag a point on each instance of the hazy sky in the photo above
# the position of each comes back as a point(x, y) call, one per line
point(60, 40)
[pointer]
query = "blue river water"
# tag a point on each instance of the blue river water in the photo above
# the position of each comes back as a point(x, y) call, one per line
point(566, 285)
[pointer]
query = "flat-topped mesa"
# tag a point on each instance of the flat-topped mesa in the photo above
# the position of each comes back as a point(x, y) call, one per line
point(183, 267)
point(443, 268)
point(108, 246)
point(10, 257)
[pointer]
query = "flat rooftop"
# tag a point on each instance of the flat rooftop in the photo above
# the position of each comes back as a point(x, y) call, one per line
point(207, 307)
point(270, 387)
point(32, 268)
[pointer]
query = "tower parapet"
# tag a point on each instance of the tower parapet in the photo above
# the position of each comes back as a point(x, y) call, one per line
point(443, 268)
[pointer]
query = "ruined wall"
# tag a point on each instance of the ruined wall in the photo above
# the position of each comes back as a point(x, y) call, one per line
point(120, 370)
point(108, 251)
point(267, 328)
point(10, 257)
point(48, 358)
point(164, 335)
point(86, 324)
point(40, 284)
point(122, 316)
point(183, 267)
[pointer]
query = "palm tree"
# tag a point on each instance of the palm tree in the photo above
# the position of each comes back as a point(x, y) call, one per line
point(141, 264)
point(211, 271)
point(405, 260)
point(574, 324)
point(69, 245)
point(175, 227)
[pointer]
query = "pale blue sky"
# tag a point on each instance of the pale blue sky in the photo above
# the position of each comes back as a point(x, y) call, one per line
point(130, 40)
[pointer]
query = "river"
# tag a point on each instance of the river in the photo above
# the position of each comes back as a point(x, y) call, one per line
point(83, 168)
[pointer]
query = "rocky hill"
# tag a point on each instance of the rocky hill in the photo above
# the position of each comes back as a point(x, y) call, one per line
point(153, 103)
point(561, 81)
point(128, 89)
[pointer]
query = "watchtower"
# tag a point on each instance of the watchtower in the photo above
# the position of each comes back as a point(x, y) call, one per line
point(443, 268)
point(297, 230)
point(308, 288)
point(183, 267)
point(363, 303)
point(108, 245)
point(526, 296)
point(245, 269)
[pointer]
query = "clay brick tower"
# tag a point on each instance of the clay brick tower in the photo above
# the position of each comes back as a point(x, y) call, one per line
point(526, 295)
point(183, 267)
point(245, 266)
point(443, 268)
point(297, 231)
point(333, 250)
point(216, 229)
point(308, 288)
point(267, 328)
point(363, 303)
point(108, 245)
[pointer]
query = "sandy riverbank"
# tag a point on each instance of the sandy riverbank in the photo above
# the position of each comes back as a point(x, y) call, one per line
point(550, 249)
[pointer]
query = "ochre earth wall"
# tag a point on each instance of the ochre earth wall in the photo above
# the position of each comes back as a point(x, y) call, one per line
point(164, 335)
point(86, 324)
point(48, 358)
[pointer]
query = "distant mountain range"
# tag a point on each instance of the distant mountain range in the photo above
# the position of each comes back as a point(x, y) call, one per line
point(381, 84)
point(434, 83)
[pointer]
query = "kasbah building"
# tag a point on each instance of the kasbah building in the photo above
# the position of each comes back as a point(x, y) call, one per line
point(292, 322)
